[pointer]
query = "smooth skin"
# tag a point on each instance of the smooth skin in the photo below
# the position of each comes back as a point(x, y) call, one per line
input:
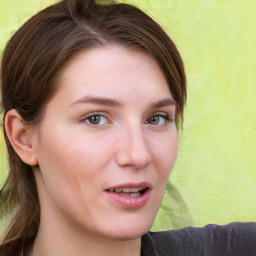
point(111, 122)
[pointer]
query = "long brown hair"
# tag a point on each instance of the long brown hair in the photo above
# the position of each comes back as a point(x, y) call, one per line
point(32, 62)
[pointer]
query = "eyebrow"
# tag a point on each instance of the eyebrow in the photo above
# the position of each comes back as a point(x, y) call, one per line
point(164, 102)
point(115, 103)
point(98, 100)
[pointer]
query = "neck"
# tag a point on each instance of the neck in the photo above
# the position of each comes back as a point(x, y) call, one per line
point(54, 240)
point(87, 247)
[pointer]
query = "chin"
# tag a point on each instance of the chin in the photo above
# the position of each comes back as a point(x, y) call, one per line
point(129, 232)
point(132, 226)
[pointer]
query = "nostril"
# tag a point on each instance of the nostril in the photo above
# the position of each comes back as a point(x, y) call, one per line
point(124, 158)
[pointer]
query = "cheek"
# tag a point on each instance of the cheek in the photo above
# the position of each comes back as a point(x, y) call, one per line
point(165, 151)
point(73, 163)
point(165, 154)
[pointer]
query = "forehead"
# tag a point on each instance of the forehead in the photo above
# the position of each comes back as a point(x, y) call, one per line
point(113, 71)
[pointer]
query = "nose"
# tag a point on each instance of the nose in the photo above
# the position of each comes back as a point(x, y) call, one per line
point(133, 149)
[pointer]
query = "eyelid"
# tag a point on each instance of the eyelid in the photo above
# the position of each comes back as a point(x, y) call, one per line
point(97, 113)
point(169, 116)
point(163, 119)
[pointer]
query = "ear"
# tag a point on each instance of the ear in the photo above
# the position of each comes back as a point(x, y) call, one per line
point(20, 137)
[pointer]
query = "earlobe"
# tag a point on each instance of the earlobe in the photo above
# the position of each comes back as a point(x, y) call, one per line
point(20, 137)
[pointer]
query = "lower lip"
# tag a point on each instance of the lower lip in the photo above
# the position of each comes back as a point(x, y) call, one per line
point(129, 201)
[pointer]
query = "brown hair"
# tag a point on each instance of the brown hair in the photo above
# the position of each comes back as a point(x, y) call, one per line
point(33, 60)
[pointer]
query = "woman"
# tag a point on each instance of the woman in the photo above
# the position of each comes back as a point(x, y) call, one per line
point(92, 95)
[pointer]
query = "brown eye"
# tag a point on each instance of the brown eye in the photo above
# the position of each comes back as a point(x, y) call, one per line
point(153, 120)
point(157, 120)
point(96, 120)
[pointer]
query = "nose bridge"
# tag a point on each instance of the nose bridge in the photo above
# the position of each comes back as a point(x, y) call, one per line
point(133, 148)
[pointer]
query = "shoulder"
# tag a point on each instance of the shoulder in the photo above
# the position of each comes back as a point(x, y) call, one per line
point(234, 239)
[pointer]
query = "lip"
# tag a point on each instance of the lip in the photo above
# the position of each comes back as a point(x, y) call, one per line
point(129, 201)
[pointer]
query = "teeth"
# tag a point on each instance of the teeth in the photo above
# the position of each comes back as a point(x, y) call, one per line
point(126, 190)
point(130, 194)
point(134, 191)
point(135, 194)
point(137, 189)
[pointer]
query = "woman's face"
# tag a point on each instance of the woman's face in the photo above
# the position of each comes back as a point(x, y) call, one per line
point(106, 144)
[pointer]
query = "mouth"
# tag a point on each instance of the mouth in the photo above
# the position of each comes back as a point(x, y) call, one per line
point(130, 195)
point(133, 192)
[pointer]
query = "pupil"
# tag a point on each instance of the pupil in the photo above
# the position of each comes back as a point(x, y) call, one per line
point(154, 119)
point(94, 119)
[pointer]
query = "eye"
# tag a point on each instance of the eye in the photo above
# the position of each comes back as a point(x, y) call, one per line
point(96, 119)
point(158, 119)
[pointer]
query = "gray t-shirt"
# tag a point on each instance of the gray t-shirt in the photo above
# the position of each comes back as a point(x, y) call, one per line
point(234, 239)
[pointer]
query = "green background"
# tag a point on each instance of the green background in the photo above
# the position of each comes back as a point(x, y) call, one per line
point(214, 179)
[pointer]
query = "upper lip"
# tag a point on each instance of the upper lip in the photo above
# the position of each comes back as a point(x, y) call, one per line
point(144, 185)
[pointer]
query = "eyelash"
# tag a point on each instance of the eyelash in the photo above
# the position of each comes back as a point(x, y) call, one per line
point(86, 119)
point(166, 118)
point(95, 115)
